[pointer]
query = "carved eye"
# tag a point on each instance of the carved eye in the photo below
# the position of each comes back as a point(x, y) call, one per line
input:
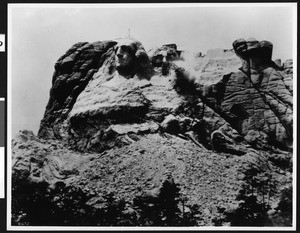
point(171, 56)
point(157, 60)
point(125, 49)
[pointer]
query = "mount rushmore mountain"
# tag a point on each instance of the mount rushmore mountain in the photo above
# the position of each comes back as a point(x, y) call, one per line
point(132, 137)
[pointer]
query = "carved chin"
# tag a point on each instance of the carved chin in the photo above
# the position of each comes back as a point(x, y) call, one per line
point(121, 64)
point(125, 70)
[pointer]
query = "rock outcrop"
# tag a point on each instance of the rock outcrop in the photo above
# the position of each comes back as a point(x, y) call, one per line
point(257, 100)
point(206, 126)
point(72, 73)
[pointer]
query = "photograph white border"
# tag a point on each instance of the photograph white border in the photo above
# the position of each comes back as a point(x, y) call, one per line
point(148, 5)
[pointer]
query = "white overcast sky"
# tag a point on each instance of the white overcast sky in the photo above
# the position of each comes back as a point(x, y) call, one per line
point(40, 34)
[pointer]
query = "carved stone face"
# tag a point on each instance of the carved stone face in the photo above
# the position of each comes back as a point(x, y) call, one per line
point(124, 56)
point(162, 58)
point(130, 58)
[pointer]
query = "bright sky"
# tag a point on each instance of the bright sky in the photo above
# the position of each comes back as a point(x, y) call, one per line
point(40, 34)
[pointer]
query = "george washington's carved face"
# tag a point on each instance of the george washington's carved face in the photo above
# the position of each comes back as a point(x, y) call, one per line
point(124, 56)
point(131, 58)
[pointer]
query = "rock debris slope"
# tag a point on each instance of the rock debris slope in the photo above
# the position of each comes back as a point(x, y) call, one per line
point(205, 122)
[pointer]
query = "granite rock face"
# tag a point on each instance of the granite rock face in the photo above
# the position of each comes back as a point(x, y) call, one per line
point(206, 122)
point(257, 100)
point(72, 73)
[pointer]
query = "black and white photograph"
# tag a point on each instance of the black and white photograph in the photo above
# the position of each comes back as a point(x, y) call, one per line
point(151, 116)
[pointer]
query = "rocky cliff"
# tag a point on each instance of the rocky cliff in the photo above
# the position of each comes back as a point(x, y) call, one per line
point(218, 128)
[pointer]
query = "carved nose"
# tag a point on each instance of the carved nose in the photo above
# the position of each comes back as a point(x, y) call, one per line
point(120, 55)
